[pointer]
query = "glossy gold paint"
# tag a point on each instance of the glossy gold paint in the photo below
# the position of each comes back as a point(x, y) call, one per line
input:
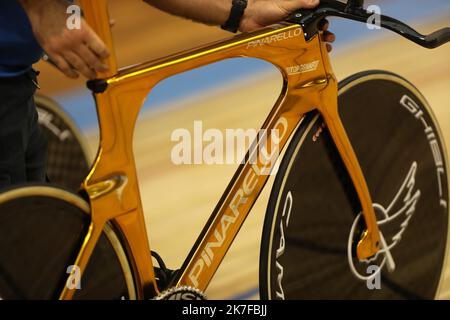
point(112, 186)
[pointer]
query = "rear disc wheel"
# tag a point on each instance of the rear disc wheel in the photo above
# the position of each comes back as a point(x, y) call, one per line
point(68, 159)
point(41, 232)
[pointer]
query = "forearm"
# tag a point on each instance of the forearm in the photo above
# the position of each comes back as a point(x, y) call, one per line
point(213, 12)
point(258, 14)
point(31, 5)
point(38, 4)
point(37, 9)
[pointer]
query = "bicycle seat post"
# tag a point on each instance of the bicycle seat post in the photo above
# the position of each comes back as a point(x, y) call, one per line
point(97, 16)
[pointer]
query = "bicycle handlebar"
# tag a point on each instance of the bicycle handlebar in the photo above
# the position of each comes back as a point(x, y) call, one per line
point(353, 10)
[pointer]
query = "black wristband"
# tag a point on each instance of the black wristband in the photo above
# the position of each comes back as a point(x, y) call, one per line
point(234, 20)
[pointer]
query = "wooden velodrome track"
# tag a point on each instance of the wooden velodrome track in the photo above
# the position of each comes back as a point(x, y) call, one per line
point(178, 199)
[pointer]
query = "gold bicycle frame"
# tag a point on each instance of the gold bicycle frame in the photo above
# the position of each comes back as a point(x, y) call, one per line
point(112, 186)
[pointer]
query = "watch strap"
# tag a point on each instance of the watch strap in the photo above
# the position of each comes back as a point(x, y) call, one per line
point(237, 11)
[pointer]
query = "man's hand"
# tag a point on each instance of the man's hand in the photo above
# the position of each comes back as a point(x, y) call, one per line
point(328, 36)
point(73, 51)
point(261, 13)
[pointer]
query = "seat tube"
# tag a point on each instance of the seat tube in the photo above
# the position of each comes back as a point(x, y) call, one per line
point(97, 16)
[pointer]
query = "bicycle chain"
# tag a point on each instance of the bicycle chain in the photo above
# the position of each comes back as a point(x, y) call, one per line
point(181, 293)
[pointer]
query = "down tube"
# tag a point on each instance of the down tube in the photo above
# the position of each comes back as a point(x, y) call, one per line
point(247, 184)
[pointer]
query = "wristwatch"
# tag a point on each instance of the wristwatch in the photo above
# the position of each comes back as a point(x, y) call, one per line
point(237, 11)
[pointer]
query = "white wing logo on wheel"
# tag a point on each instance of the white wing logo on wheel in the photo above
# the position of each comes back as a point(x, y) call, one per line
point(394, 218)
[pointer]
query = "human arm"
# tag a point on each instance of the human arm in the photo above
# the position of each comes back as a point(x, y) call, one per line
point(73, 51)
point(259, 13)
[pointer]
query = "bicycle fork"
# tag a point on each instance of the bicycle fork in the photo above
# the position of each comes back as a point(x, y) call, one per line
point(369, 243)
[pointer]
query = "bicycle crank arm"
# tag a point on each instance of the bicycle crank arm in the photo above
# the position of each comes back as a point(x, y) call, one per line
point(353, 10)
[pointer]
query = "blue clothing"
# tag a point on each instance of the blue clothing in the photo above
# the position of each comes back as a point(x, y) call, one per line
point(18, 46)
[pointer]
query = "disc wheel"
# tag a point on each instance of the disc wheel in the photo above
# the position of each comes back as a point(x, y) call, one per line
point(313, 220)
point(68, 159)
point(41, 232)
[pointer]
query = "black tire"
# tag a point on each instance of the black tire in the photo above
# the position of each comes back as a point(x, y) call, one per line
point(41, 232)
point(68, 159)
point(312, 220)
